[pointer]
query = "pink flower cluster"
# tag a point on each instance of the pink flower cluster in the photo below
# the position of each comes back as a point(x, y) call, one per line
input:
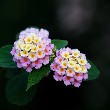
point(32, 49)
point(70, 66)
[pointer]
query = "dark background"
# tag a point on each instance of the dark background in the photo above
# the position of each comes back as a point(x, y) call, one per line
point(86, 25)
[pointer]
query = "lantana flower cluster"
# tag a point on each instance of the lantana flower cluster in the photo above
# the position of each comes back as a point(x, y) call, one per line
point(33, 49)
point(70, 66)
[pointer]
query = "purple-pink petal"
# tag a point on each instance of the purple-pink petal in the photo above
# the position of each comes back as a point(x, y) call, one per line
point(77, 84)
point(88, 66)
point(85, 76)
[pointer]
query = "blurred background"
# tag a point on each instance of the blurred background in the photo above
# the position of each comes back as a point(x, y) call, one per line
point(86, 25)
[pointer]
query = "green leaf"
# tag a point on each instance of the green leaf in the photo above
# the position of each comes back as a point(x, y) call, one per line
point(93, 72)
point(6, 58)
point(12, 73)
point(60, 43)
point(16, 90)
point(35, 76)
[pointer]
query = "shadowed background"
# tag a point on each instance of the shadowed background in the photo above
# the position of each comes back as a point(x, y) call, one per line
point(86, 25)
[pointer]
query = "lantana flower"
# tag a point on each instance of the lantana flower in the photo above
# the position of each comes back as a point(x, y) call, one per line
point(33, 49)
point(70, 66)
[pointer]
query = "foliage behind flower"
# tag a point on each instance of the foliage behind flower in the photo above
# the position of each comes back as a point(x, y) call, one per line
point(32, 49)
point(71, 66)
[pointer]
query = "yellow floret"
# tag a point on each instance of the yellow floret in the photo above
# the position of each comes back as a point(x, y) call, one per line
point(64, 64)
point(77, 68)
point(32, 35)
point(83, 69)
point(34, 48)
point(24, 53)
point(28, 40)
point(32, 56)
point(40, 46)
point(37, 39)
point(18, 43)
point(76, 53)
point(17, 55)
point(40, 54)
point(71, 59)
point(70, 72)
point(71, 64)
point(22, 46)
point(65, 54)
point(28, 47)
point(82, 61)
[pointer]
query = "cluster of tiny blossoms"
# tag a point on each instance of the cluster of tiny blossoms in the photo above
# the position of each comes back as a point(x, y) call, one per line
point(71, 66)
point(32, 49)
